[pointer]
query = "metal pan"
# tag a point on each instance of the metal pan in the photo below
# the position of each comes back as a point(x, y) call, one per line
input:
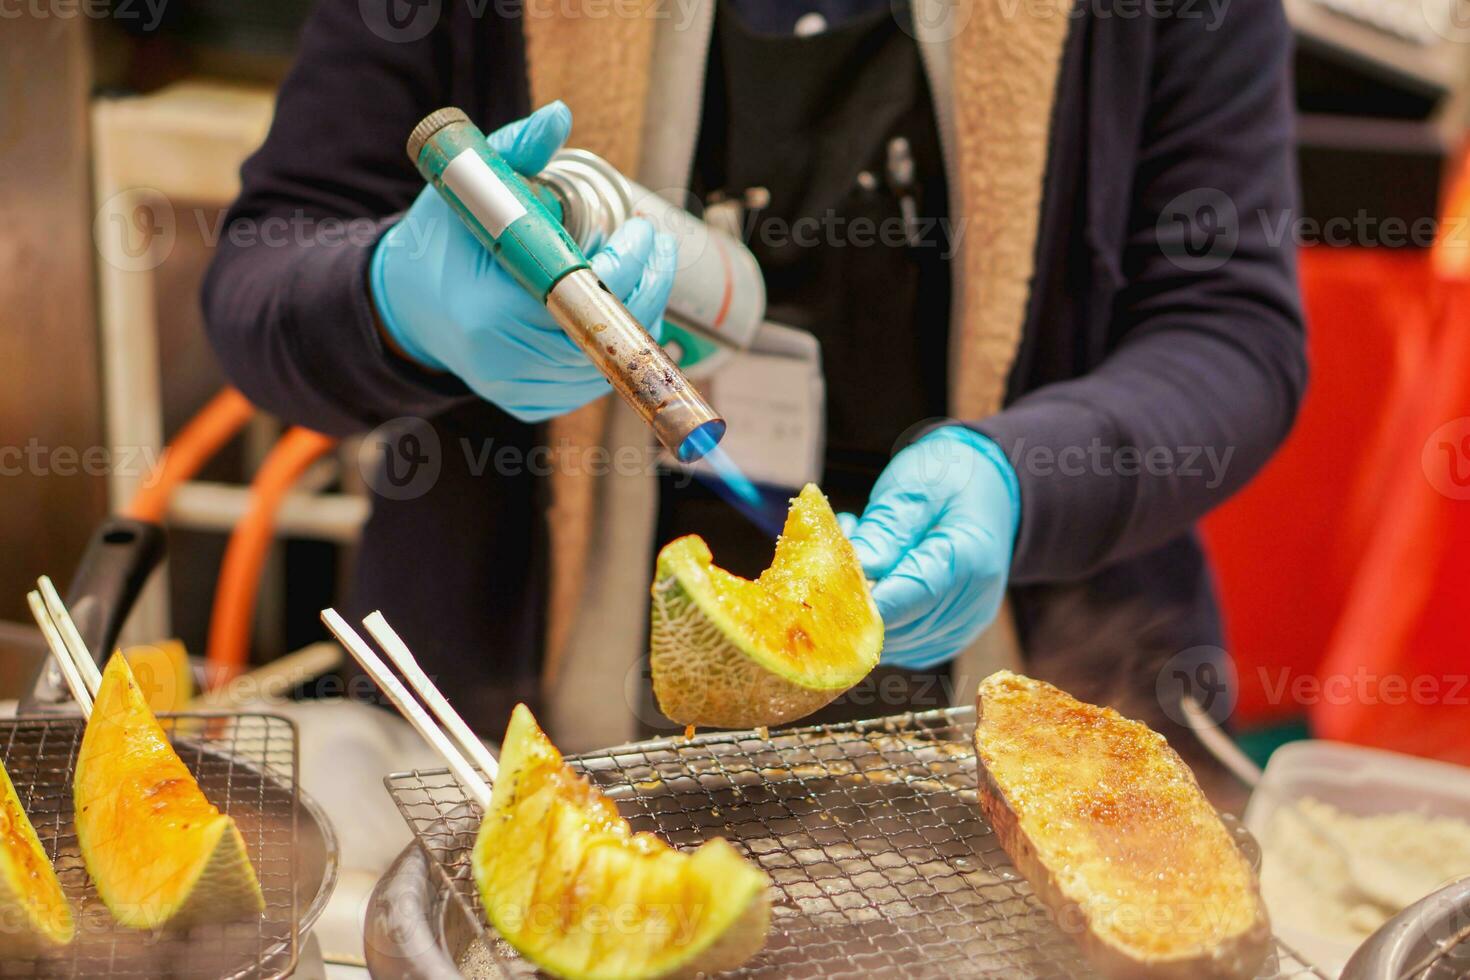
point(245, 763)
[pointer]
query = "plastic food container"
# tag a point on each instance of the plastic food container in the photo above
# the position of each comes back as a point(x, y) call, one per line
point(1359, 781)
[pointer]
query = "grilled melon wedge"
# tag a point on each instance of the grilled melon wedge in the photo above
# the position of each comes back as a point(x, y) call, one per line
point(732, 653)
point(34, 916)
point(160, 854)
point(566, 882)
point(1111, 829)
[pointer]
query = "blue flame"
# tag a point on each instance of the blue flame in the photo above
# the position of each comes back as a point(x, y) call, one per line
point(702, 441)
point(727, 480)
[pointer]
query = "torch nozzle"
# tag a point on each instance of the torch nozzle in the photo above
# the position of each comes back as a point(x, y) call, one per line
point(641, 371)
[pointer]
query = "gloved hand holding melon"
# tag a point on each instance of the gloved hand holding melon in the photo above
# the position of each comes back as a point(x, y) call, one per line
point(733, 653)
point(564, 879)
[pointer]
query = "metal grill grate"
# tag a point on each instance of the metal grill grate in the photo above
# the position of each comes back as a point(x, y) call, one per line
point(871, 832)
point(246, 765)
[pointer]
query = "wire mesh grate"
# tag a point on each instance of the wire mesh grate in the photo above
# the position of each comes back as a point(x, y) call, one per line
point(871, 832)
point(246, 766)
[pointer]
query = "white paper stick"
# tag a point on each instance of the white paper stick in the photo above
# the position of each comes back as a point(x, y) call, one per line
point(60, 653)
point(80, 655)
point(408, 666)
point(407, 706)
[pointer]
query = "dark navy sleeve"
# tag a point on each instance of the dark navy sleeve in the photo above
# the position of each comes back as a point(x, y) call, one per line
point(1207, 351)
point(285, 300)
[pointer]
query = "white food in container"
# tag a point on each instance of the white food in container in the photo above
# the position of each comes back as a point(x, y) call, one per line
point(1414, 813)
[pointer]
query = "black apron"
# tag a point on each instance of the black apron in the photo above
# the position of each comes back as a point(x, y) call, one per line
point(839, 130)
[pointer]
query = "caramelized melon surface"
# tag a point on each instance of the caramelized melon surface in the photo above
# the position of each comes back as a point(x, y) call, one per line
point(34, 915)
point(733, 652)
point(1116, 821)
point(159, 852)
point(566, 881)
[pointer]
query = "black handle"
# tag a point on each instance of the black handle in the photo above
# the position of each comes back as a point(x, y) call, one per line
point(121, 555)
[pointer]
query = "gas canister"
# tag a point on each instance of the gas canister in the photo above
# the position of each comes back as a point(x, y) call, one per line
point(719, 294)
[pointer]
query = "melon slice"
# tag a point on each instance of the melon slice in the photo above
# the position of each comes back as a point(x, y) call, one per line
point(1111, 829)
point(160, 854)
point(163, 674)
point(732, 653)
point(34, 916)
point(564, 879)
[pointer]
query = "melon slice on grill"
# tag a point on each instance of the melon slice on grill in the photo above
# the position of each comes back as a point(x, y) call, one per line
point(564, 879)
point(34, 916)
point(160, 854)
point(1111, 829)
point(733, 653)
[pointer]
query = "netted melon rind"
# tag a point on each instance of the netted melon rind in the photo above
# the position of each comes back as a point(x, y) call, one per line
point(227, 889)
point(720, 686)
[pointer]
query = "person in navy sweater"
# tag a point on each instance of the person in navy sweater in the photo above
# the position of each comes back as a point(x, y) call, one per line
point(1086, 320)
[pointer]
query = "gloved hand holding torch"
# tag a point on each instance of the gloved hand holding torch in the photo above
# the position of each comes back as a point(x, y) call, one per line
point(445, 302)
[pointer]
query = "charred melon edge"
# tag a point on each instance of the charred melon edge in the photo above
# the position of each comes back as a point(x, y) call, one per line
point(1234, 957)
point(40, 939)
point(681, 566)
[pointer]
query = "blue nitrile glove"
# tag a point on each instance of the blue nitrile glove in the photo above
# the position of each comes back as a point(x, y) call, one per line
point(936, 539)
point(446, 303)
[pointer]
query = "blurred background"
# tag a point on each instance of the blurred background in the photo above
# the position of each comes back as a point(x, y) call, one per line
point(1343, 568)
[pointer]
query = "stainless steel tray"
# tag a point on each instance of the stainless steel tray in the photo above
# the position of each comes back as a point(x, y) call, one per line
point(882, 862)
point(246, 765)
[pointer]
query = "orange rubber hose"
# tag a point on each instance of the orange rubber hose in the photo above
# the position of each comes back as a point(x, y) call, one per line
point(216, 424)
point(230, 624)
point(1451, 253)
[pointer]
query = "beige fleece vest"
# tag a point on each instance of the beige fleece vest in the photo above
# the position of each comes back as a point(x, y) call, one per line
point(995, 90)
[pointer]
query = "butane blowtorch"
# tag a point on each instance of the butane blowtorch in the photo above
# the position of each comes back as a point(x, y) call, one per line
point(521, 228)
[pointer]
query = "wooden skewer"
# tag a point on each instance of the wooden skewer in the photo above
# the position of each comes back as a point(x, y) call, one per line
point(408, 666)
point(60, 653)
point(80, 655)
point(408, 706)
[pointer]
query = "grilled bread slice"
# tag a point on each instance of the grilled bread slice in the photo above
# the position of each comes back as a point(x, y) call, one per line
point(1112, 831)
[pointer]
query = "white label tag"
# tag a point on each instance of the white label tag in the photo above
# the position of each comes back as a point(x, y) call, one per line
point(773, 400)
point(485, 194)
